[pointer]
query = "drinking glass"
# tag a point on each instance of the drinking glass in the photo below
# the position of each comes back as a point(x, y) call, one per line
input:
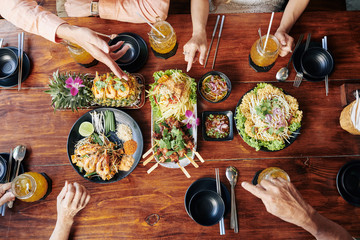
point(29, 186)
point(273, 172)
point(262, 60)
point(80, 56)
point(158, 43)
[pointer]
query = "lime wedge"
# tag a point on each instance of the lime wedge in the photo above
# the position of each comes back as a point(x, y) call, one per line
point(86, 129)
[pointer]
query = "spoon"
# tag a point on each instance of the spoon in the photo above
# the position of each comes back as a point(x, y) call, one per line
point(232, 174)
point(19, 155)
point(283, 73)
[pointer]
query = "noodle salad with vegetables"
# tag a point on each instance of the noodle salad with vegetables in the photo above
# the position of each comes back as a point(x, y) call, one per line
point(267, 117)
point(172, 93)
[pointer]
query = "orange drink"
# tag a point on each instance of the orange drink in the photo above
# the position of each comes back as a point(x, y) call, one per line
point(264, 59)
point(273, 172)
point(160, 44)
point(81, 56)
point(29, 186)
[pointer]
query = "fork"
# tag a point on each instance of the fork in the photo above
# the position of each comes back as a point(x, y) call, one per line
point(300, 75)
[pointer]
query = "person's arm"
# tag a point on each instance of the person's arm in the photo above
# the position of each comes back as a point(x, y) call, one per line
point(197, 45)
point(5, 195)
point(292, 12)
point(283, 200)
point(71, 199)
point(121, 10)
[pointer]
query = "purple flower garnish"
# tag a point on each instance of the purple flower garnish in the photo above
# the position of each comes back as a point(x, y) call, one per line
point(190, 119)
point(74, 85)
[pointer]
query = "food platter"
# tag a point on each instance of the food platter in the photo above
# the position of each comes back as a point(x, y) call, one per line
point(120, 117)
point(258, 144)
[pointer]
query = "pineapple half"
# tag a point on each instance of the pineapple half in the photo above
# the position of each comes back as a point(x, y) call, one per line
point(111, 91)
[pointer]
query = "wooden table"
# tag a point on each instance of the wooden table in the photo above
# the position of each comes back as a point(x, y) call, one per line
point(119, 210)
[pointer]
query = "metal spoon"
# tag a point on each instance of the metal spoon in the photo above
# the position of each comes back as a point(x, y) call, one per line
point(283, 73)
point(232, 174)
point(19, 155)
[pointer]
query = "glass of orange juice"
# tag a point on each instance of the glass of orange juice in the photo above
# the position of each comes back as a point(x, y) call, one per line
point(29, 186)
point(273, 172)
point(80, 56)
point(260, 59)
point(163, 45)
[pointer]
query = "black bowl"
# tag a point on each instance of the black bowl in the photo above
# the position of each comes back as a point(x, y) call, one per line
point(317, 62)
point(8, 63)
point(348, 182)
point(132, 54)
point(6, 156)
point(229, 114)
point(223, 76)
point(207, 208)
point(3, 168)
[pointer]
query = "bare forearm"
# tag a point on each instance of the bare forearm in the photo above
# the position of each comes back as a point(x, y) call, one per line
point(61, 230)
point(324, 229)
point(292, 12)
point(199, 16)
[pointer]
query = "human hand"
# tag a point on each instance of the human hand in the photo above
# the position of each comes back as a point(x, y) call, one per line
point(6, 196)
point(72, 198)
point(286, 42)
point(282, 200)
point(196, 46)
point(78, 8)
point(94, 45)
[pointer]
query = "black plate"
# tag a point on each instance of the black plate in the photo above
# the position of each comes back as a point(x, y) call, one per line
point(223, 76)
point(297, 60)
point(293, 136)
point(207, 184)
point(143, 56)
point(13, 80)
point(120, 117)
point(346, 178)
point(13, 164)
point(229, 114)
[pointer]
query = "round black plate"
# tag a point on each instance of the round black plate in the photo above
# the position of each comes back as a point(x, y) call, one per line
point(354, 200)
point(13, 164)
point(293, 136)
point(207, 184)
point(297, 60)
point(143, 56)
point(13, 80)
point(120, 117)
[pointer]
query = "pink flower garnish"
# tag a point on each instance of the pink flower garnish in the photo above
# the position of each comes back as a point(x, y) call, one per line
point(74, 85)
point(190, 119)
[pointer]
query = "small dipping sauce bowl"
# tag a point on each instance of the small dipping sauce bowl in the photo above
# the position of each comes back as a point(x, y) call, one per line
point(8, 63)
point(317, 62)
point(131, 54)
point(206, 208)
point(214, 87)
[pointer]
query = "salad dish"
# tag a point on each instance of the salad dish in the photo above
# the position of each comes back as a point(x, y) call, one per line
point(173, 106)
point(214, 87)
point(95, 150)
point(217, 126)
point(267, 118)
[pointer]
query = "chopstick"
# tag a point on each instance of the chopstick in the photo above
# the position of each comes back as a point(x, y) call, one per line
point(324, 46)
point(217, 44)
point(7, 179)
point(212, 40)
point(20, 53)
point(218, 189)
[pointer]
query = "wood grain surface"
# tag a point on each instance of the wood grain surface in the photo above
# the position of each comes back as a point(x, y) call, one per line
point(120, 210)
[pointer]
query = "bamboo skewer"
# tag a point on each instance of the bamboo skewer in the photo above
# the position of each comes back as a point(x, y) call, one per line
point(149, 159)
point(199, 157)
point(149, 151)
point(192, 161)
point(153, 167)
point(184, 171)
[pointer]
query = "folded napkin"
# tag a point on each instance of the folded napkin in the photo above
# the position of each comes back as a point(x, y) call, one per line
point(355, 113)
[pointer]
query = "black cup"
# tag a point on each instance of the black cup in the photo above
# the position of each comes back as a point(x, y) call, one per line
point(207, 208)
point(8, 63)
point(351, 180)
point(317, 62)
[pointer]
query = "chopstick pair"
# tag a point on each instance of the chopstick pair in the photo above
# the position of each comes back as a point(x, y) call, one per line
point(212, 40)
point(324, 46)
point(20, 54)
